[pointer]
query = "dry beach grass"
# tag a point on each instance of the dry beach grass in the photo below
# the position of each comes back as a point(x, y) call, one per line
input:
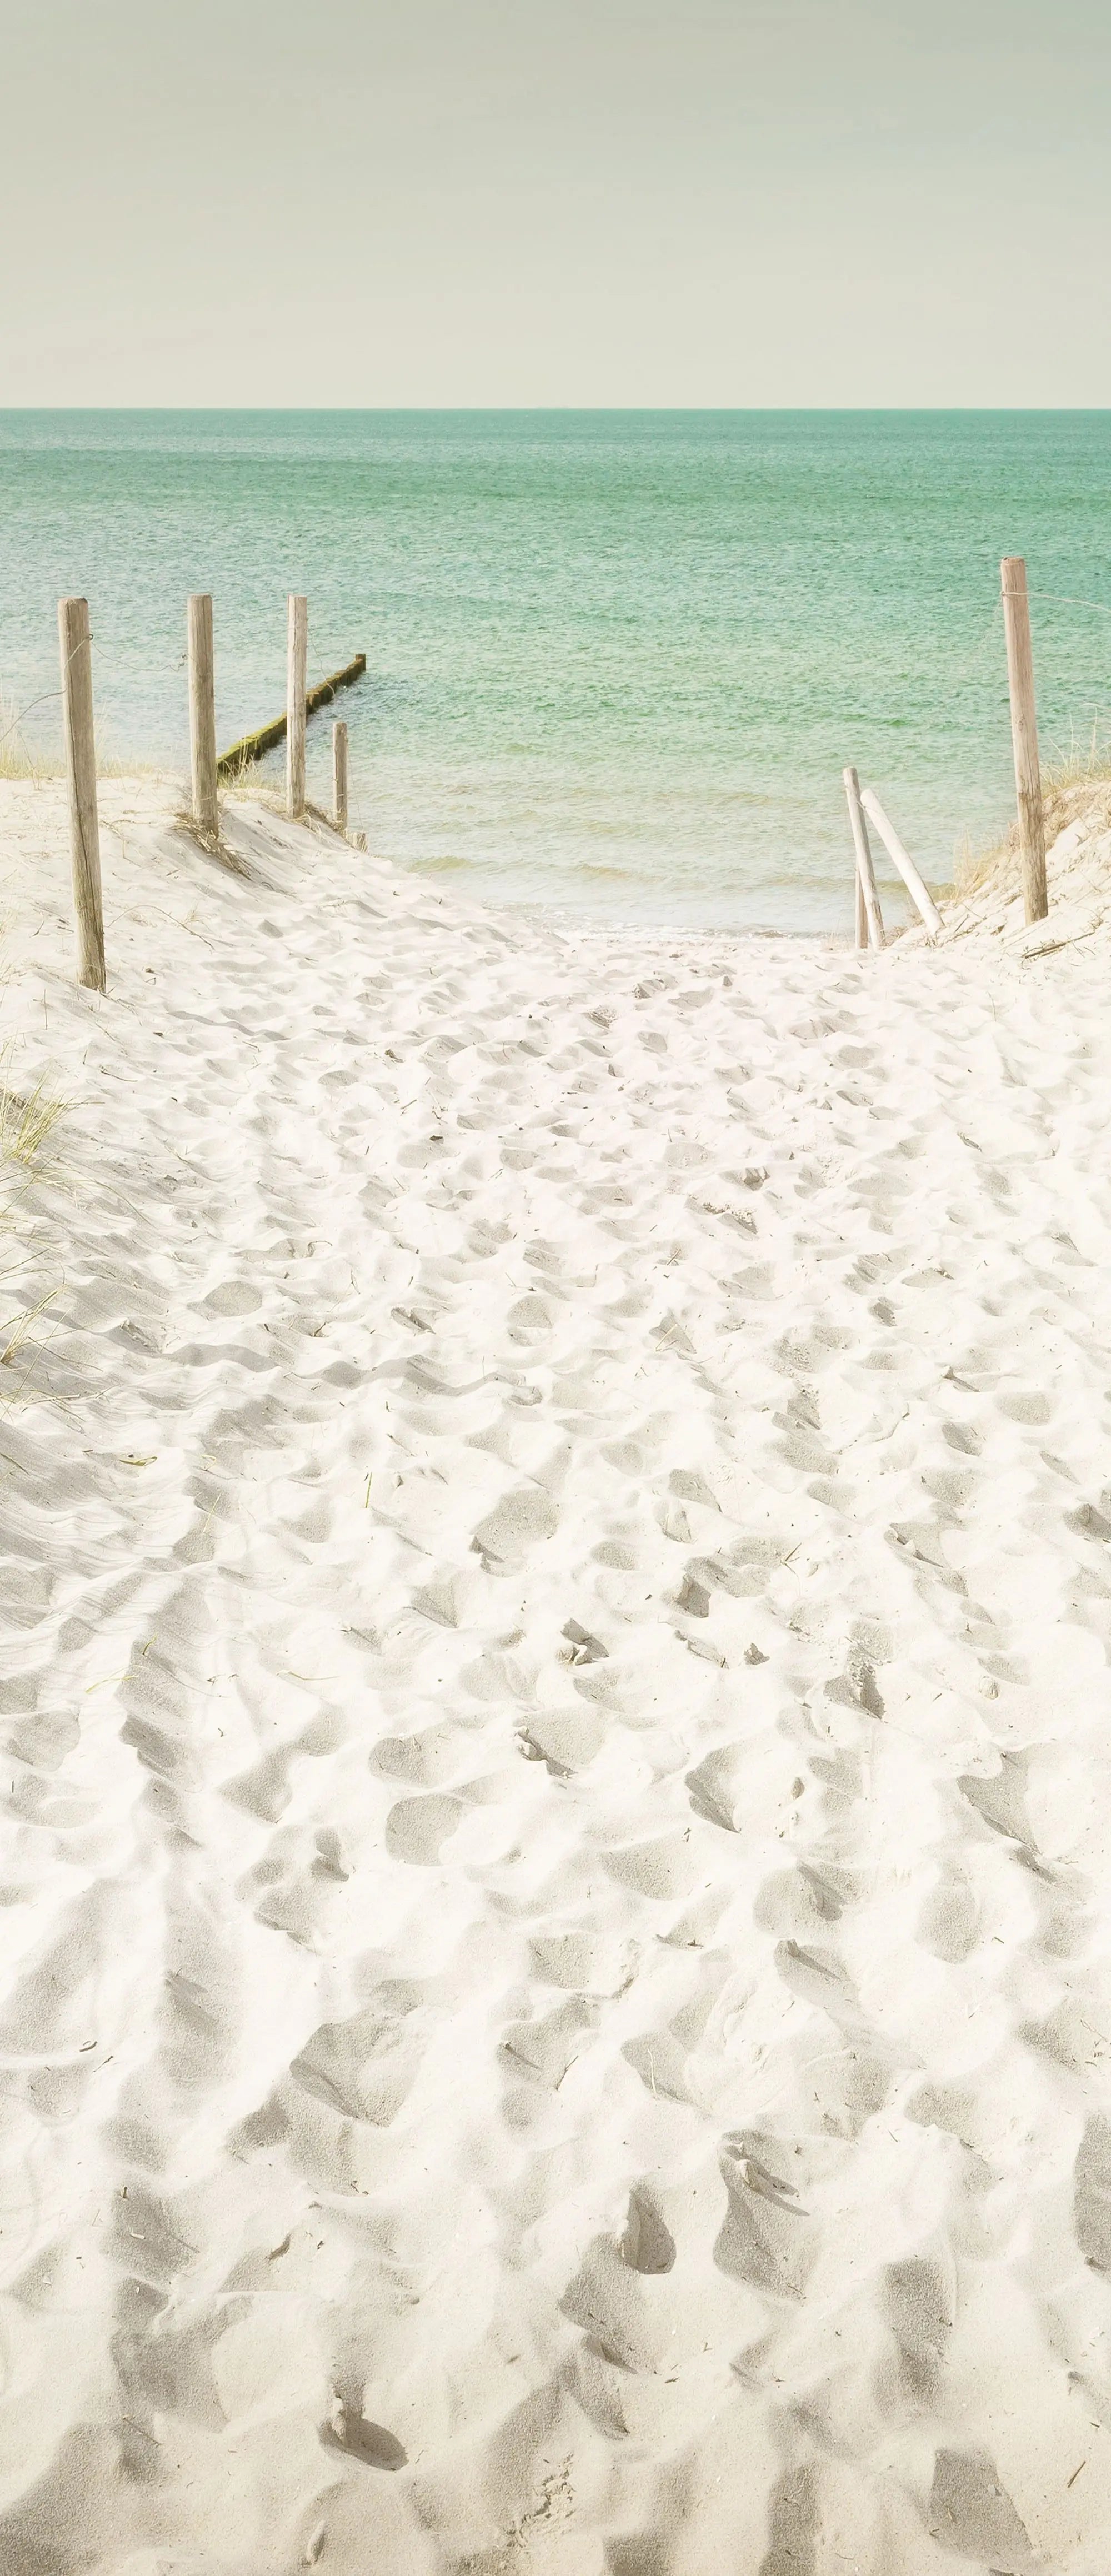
point(1072, 788)
point(556, 1992)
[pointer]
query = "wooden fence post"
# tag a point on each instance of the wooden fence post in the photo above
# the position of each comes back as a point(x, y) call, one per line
point(296, 683)
point(867, 900)
point(75, 644)
point(202, 714)
point(861, 910)
point(1024, 736)
point(339, 776)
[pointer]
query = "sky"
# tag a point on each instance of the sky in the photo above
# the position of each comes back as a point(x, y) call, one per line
point(556, 202)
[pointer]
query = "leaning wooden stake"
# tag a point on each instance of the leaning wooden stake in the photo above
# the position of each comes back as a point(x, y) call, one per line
point(869, 919)
point(296, 668)
point(202, 714)
point(339, 776)
point(1024, 736)
point(75, 643)
point(919, 894)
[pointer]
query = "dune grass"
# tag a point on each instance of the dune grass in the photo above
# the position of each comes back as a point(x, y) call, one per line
point(1078, 782)
point(18, 757)
point(27, 1120)
point(27, 1123)
point(15, 1331)
point(21, 757)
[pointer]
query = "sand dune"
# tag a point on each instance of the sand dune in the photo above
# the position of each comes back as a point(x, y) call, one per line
point(555, 2005)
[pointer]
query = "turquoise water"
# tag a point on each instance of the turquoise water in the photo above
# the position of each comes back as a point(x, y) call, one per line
point(616, 660)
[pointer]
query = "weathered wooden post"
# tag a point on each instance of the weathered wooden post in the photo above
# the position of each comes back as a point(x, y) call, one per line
point(868, 915)
point(1024, 736)
point(75, 643)
point(202, 714)
point(296, 682)
point(339, 776)
point(919, 894)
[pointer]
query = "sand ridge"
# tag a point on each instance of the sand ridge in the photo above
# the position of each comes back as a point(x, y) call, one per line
point(556, 1993)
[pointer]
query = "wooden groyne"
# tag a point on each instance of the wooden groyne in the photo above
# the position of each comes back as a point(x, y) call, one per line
point(253, 745)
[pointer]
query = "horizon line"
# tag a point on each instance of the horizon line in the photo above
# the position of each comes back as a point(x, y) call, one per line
point(563, 411)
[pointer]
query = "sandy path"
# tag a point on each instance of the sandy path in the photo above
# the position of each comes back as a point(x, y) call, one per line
point(555, 2001)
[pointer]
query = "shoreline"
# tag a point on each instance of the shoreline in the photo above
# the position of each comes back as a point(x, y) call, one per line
point(555, 1514)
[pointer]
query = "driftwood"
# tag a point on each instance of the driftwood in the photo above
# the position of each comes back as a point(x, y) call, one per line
point(253, 745)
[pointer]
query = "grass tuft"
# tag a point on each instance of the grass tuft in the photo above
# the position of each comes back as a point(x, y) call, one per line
point(26, 1121)
point(16, 1331)
point(20, 758)
point(1080, 782)
point(17, 757)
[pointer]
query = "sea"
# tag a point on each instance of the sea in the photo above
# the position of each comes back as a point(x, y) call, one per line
point(616, 661)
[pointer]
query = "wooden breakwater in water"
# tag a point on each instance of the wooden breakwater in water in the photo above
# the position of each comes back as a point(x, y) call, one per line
point(253, 745)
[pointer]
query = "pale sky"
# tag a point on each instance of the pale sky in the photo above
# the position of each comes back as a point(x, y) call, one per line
point(548, 202)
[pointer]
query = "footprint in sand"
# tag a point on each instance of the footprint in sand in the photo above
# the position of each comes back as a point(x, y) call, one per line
point(517, 1523)
point(798, 1901)
point(427, 1757)
point(647, 2244)
point(544, 2049)
point(920, 2311)
point(1092, 2194)
point(363, 2068)
point(1001, 1798)
point(556, 1747)
point(232, 1297)
point(970, 2511)
point(767, 2237)
point(793, 2523)
point(264, 1790)
point(416, 1827)
point(44, 1740)
point(948, 1922)
point(664, 1868)
point(583, 1961)
point(714, 1788)
point(347, 2429)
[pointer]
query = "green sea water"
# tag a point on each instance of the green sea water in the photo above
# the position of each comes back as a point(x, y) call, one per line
point(616, 661)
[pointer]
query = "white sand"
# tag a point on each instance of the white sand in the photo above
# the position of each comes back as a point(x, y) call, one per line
point(555, 2007)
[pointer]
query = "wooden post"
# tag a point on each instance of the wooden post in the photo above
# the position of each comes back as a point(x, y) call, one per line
point(339, 776)
point(202, 714)
point(75, 644)
point(867, 900)
point(919, 894)
point(296, 676)
point(1024, 736)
